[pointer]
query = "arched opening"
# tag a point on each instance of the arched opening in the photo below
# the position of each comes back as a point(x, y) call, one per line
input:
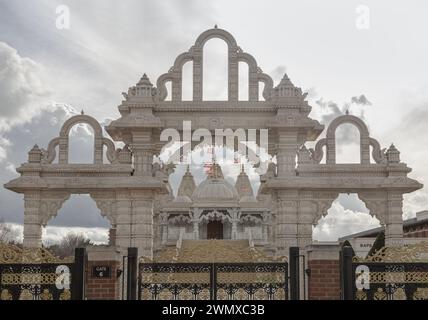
point(81, 144)
point(348, 144)
point(77, 223)
point(187, 81)
point(215, 70)
point(347, 216)
point(168, 86)
point(261, 88)
point(243, 81)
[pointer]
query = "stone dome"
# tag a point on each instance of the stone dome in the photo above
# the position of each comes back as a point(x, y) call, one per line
point(182, 199)
point(215, 189)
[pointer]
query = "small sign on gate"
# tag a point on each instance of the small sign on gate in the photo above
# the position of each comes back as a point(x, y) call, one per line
point(101, 272)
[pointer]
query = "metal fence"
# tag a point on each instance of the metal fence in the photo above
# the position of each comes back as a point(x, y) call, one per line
point(36, 274)
point(395, 273)
point(213, 281)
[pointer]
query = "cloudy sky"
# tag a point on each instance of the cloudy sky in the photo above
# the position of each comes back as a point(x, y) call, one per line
point(375, 68)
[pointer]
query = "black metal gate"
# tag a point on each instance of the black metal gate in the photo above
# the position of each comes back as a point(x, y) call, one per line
point(213, 281)
point(395, 275)
point(38, 275)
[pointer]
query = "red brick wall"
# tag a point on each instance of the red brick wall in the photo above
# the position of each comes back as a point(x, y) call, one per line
point(102, 288)
point(324, 280)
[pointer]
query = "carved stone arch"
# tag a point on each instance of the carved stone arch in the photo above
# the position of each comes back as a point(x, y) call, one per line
point(111, 152)
point(216, 33)
point(364, 138)
point(195, 54)
point(50, 156)
point(378, 154)
point(177, 75)
point(377, 203)
point(107, 204)
point(268, 82)
point(322, 207)
point(253, 82)
point(65, 132)
point(318, 153)
point(50, 203)
point(161, 85)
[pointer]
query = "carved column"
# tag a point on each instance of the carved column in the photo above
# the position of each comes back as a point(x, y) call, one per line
point(123, 219)
point(176, 85)
point(142, 222)
point(286, 153)
point(32, 220)
point(143, 150)
point(253, 84)
point(197, 74)
point(164, 227)
point(196, 229)
point(394, 220)
point(307, 211)
point(286, 221)
point(265, 227)
point(233, 69)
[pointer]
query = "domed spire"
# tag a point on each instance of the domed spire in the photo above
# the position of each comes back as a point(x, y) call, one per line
point(243, 185)
point(187, 185)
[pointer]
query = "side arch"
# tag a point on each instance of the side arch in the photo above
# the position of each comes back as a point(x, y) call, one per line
point(364, 138)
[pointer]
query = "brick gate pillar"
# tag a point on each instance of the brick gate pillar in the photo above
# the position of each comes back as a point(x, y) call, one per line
point(324, 275)
point(102, 279)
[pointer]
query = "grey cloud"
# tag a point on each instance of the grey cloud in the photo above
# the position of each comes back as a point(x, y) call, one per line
point(362, 100)
point(278, 73)
point(330, 110)
point(21, 90)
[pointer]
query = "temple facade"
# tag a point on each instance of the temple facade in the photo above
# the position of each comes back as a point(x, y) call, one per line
point(298, 184)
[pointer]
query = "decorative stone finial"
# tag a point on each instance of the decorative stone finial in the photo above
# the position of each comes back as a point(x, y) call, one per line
point(35, 155)
point(286, 89)
point(243, 184)
point(393, 155)
point(187, 184)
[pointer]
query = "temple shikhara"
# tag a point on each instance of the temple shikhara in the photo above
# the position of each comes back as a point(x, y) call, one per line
point(131, 188)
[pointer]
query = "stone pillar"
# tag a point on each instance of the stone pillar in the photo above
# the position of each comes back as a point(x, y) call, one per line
point(32, 220)
point(286, 221)
point(305, 221)
point(164, 227)
point(176, 85)
point(142, 222)
point(197, 74)
point(394, 220)
point(233, 81)
point(234, 228)
point(143, 150)
point(286, 153)
point(196, 229)
point(123, 220)
point(112, 236)
point(253, 84)
point(143, 160)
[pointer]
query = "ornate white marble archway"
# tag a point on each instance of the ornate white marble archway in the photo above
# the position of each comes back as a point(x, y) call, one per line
point(130, 191)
